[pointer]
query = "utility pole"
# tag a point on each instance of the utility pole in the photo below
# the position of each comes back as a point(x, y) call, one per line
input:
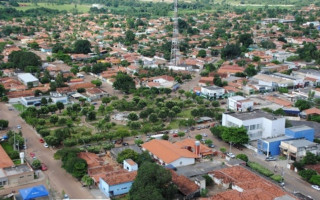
point(175, 51)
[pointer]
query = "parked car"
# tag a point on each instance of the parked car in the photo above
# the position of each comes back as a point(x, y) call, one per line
point(211, 145)
point(175, 135)
point(176, 131)
point(204, 135)
point(43, 167)
point(45, 145)
point(41, 140)
point(18, 127)
point(192, 128)
point(125, 144)
point(198, 127)
point(66, 197)
point(231, 155)
point(270, 158)
point(315, 187)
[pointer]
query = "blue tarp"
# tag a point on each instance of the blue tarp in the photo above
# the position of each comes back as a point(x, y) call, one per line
point(33, 192)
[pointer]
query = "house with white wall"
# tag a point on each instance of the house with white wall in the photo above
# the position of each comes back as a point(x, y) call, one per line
point(259, 124)
point(118, 182)
point(212, 91)
point(239, 103)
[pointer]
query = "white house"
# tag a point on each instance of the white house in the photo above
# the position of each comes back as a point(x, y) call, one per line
point(239, 103)
point(212, 91)
point(130, 165)
point(26, 78)
point(259, 124)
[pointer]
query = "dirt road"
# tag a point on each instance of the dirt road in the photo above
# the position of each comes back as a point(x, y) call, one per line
point(58, 178)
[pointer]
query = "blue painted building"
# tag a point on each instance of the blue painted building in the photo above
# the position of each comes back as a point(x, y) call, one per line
point(271, 147)
point(300, 132)
point(120, 181)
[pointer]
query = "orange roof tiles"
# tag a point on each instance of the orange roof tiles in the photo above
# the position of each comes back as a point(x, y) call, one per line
point(190, 143)
point(166, 151)
point(185, 185)
point(230, 69)
point(131, 162)
point(82, 85)
point(118, 177)
point(312, 111)
point(279, 101)
point(254, 187)
point(5, 160)
point(17, 94)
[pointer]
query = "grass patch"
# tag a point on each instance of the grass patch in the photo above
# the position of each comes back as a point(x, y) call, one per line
point(19, 107)
point(260, 169)
point(84, 8)
point(185, 114)
point(282, 157)
point(174, 124)
point(7, 147)
point(276, 178)
point(17, 162)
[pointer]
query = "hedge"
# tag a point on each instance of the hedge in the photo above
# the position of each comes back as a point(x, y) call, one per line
point(276, 178)
point(260, 169)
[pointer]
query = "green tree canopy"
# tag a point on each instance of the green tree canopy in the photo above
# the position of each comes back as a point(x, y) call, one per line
point(22, 59)
point(127, 154)
point(153, 182)
point(124, 82)
point(231, 51)
point(82, 46)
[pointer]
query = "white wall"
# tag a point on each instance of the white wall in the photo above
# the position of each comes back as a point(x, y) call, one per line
point(211, 93)
point(183, 162)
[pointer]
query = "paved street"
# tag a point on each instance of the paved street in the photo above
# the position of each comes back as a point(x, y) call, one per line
point(58, 178)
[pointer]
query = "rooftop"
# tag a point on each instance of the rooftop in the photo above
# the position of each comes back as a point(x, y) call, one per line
point(212, 87)
point(18, 169)
point(27, 77)
point(252, 115)
point(300, 143)
point(119, 177)
point(185, 185)
point(5, 160)
point(299, 128)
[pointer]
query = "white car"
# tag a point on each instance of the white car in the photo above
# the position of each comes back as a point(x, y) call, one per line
point(231, 155)
point(315, 187)
point(45, 145)
point(66, 197)
point(18, 127)
point(204, 135)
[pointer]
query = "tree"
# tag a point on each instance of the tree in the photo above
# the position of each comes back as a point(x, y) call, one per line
point(231, 51)
point(2, 90)
point(54, 119)
point(77, 167)
point(302, 104)
point(3, 124)
point(250, 70)
point(122, 133)
point(209, 181)
point(127, 154)
point(87, 180)
point(36, 164)
point(82, 46)
point(243, 157)
point(307, 174)
point(310, 159)
point(22, 59)
point(198, 137)
point(153, 117)
point(52, 140)
point(268, 44)
point(245, 39)
point(153, 182)
point(315, 179)
point(208, 142)
point(124, 82)
point(165, 137)
point(236, 135)
point(181, 134)
point(98, 83)
point(215, 104)
point(60, 106)
point(133, 116)
point(106, 100)
point(44, 101)
point(202, 53)
point(130, 36)
point(33, 45)
point(91, 115)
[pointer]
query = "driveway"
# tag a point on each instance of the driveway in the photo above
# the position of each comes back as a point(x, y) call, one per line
point(57, 177)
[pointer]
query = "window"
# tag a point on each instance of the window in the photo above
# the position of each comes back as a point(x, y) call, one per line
point(21, 176)
point(180, 162)
point(252, 127)
point(247, 127)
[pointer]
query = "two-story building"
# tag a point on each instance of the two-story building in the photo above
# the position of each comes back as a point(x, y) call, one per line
point(259, 124)
point(212, 91)
point(239, 103)
point(297, 149)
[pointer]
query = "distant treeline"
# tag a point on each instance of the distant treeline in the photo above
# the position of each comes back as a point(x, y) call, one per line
point(9, 13)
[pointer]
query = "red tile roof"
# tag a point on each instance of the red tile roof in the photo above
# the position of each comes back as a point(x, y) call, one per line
point(190, 143)
point(5, 160)
point(119, 177)
point(279, 101)
point(131, 162)
point(254, 187)
point(166, 151)
point(312, 111)
point(185, 185)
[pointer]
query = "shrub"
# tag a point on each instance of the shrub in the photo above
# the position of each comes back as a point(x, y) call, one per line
point(276, 178)
point(209, 180)
point(260, 169)
point(315, 179)
point(243, 157)
point(44, 132)
point(307, 174)
point(70, 142)
point(14, 155)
